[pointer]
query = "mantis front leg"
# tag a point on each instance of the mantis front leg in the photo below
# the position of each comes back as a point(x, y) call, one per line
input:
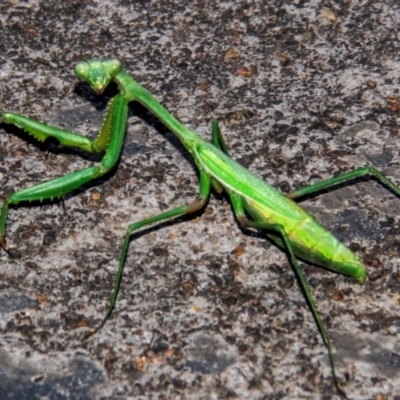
point(110, 139)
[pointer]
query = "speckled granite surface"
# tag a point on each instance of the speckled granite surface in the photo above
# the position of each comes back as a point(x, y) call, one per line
point(304, 90)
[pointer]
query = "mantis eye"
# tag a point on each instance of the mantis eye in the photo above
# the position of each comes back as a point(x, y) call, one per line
point(82, 70)
point(113, 66)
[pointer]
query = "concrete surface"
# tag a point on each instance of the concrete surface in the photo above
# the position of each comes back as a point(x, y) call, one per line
point(304, 90)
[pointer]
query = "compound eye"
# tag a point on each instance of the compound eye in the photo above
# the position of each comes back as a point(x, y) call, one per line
point(82, 69)
point(114, 66)
point(117, 66)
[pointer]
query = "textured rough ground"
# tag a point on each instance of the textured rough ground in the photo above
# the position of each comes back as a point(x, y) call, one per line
point(304, 90)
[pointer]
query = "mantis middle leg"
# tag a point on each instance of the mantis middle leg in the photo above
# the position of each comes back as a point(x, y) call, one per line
point(205, 186)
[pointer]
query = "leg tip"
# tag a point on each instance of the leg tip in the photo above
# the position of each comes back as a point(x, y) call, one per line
point(87, 336)
point(3, 245)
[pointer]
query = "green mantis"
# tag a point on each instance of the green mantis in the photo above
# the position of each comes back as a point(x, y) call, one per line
point(256, 204)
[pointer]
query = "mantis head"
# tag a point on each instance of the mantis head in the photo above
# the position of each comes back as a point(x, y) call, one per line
point(98, 72)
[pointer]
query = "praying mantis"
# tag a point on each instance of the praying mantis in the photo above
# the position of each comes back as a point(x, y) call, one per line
point(256, 205)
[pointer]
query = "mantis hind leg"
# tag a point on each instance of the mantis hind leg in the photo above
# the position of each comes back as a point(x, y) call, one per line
point(240, 207)
point(205, 185)
point(219, 142)
point(359, 172)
